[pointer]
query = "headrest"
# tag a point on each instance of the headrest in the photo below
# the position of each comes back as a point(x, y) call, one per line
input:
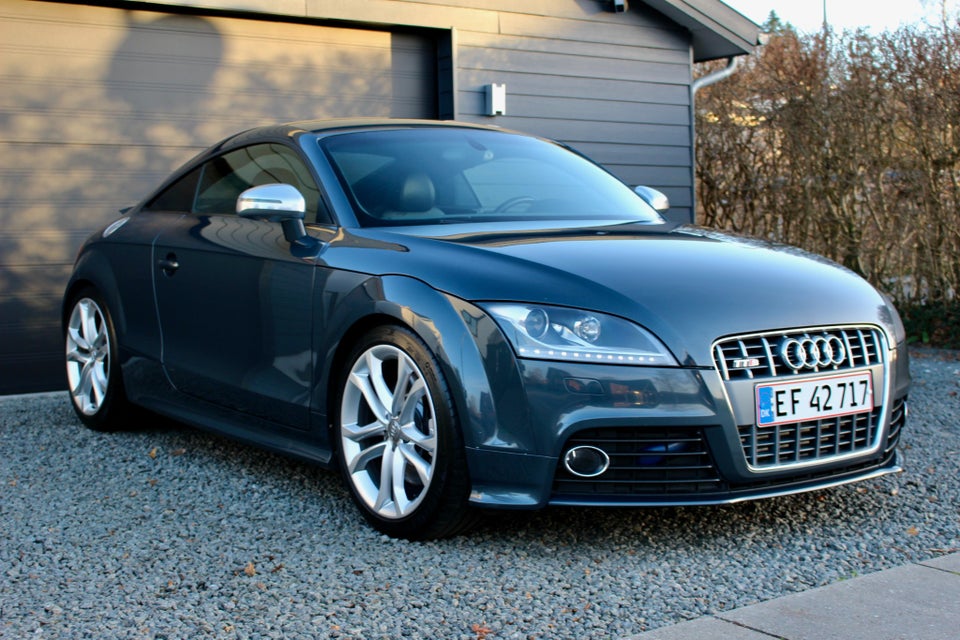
point(415, 192)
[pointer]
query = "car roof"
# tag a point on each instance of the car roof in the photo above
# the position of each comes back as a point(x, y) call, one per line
point(321, 127)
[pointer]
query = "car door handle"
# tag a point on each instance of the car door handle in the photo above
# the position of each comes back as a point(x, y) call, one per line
point(169, 264)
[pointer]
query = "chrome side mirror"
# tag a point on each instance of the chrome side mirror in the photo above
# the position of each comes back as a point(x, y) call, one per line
point(277, 201)
point(656, 199)
point(281, 203)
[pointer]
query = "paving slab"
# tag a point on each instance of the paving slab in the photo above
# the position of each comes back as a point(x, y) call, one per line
point(914, 602)
point(706, 628)
point(945, 563)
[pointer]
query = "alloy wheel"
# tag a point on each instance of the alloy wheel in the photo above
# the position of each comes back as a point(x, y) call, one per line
point(88, 356)
point(388, 431)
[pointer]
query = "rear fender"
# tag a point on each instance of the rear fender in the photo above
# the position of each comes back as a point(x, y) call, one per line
point(130, 301)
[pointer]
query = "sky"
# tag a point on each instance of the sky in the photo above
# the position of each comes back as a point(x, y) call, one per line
point(807, 15)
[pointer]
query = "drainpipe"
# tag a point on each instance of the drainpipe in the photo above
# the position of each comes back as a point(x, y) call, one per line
point(716, 76)
point(699, 83)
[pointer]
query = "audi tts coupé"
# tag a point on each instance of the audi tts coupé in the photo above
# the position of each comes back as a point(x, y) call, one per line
point(462, 318)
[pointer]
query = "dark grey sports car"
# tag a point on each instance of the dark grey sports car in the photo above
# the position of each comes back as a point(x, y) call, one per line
point(461, 317)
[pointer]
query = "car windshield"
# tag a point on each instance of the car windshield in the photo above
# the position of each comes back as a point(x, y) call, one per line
point(448, 175)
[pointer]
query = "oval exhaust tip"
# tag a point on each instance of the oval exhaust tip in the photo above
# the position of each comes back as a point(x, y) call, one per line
point(586, 461)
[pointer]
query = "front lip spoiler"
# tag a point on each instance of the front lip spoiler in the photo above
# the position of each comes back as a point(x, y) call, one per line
point(745, 495)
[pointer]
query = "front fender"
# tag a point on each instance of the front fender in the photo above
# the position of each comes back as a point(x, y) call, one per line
point(474, 357)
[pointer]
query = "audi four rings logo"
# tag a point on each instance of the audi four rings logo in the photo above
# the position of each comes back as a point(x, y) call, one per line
point(813, 352)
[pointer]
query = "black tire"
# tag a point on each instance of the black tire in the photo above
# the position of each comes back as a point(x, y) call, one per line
point(404, 464)
point(93, 369)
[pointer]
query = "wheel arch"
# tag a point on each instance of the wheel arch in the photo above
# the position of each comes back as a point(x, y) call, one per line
point(93, 271)
point(344, 345)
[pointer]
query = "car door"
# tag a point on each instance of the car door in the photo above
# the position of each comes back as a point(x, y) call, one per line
point(235, 306)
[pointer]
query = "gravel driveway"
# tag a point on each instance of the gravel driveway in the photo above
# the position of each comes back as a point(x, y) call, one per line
point(173, 533)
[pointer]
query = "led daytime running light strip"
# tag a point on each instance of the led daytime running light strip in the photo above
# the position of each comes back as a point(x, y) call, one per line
point(599, 357)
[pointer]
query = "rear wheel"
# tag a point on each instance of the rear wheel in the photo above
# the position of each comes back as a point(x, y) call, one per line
point(93, 373)
point(400, 449)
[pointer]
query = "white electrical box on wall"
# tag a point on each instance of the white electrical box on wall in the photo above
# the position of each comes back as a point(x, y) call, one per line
point(496, 99)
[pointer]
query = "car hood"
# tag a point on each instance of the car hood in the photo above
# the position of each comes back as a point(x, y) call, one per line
point(688, 285)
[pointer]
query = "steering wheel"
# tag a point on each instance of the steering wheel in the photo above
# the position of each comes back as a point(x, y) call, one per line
point(510, 203)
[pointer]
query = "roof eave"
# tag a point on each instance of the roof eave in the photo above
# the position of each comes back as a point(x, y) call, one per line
point(718, 31)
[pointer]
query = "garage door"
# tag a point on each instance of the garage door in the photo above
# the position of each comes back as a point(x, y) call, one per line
point(98, 104)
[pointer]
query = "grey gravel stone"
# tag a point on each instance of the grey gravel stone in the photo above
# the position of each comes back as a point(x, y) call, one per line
point(174, 533)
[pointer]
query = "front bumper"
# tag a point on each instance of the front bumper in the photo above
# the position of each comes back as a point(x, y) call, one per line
point(673, 439)
point(716, 490)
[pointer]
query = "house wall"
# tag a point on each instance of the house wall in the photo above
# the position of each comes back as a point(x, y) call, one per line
point(98, 102)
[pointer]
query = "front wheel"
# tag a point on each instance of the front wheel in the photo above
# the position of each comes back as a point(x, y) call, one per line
point(93, 371)
point(400, 450)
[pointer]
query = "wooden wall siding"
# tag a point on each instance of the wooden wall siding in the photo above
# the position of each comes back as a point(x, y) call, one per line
point(613, 86)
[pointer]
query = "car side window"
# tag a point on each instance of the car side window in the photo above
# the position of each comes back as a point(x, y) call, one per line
point(225, 177)
point(178, 197)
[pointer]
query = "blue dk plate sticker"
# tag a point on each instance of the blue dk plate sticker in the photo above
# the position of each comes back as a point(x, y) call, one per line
point(765, 405)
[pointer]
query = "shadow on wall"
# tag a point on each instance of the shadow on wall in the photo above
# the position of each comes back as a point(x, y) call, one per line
point(81, 137)
point(98, 105)
point(142, 74)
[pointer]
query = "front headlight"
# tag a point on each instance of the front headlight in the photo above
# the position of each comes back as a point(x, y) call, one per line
point(543, 332)
point(892, 318)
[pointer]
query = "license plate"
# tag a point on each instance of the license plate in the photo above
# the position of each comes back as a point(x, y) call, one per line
point(813, 399)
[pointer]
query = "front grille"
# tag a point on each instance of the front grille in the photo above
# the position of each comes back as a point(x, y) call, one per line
point(763, 357)
point(795, 443)
point(643, 462)
point(758, 355)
